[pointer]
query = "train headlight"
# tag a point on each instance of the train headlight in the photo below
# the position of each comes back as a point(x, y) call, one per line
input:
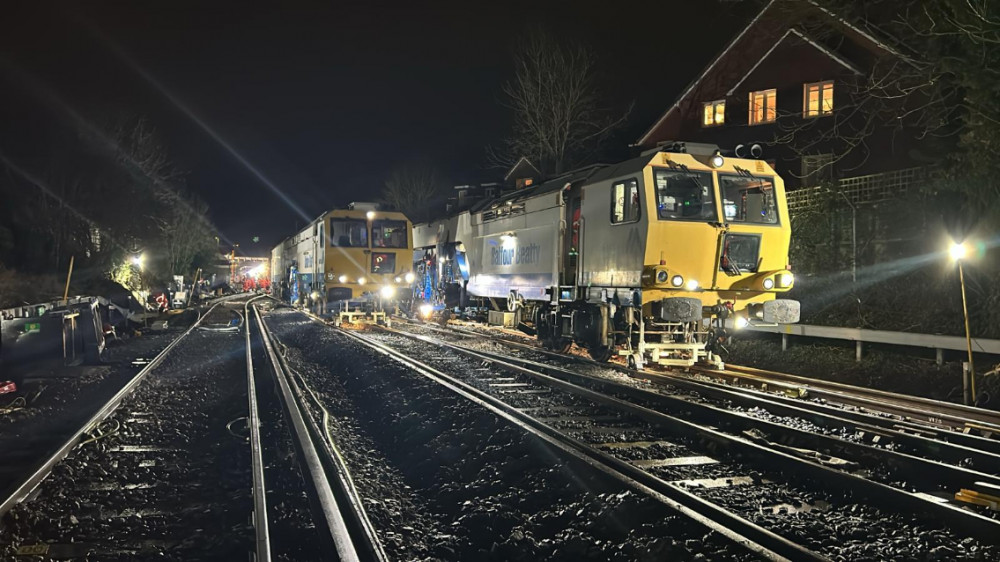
point(676, 280)
point(388, 292)
point(342, 279)
point(409, 277)
point(785, 280)
point(398, 279)
point(740, 322)
point(692, 285)
point(361, 280)
point(426, 309)
point(716, 161)
point(768, 284)
point(661, 276)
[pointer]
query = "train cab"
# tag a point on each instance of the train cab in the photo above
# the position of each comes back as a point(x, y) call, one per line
point(368, 260)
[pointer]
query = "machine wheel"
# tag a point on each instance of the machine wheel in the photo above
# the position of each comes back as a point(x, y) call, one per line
point(601, 354)
point(631, 362)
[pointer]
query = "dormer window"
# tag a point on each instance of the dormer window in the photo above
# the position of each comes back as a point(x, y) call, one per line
point(763, 106)
point(714, 113)
point(817, 99)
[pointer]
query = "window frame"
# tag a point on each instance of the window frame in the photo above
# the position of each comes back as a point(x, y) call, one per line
point(752, 113)
point(406, 235)
point(364, 223)
point(714, 105)
point(805, 99)
point(712, 186)
point(375, 255)
point(625, 207)
point(774, 195)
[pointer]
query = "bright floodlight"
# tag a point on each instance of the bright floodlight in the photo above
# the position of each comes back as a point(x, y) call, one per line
point(409, 277)
point(958, 251)
point(139, 261)
point(370, 215)
point(426, 309)
point(388, 292)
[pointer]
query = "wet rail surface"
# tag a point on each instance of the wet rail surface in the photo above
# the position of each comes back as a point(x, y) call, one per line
point(852, 527)
point(445, 478)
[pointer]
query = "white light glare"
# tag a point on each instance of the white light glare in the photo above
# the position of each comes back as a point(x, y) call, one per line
point(741, 322)
point(370, 215)
point(388, 292)
point(409, 277)
point(785, 280)
point(398, 279)
point(958, 251)
point(342, 279)
point(692, 285)
point(361, 280)
point(676, 280)
point(508, 241)
point(139, 261)
point(426, 309)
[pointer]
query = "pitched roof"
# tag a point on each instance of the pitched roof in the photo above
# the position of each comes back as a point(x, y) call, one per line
point(789, 28)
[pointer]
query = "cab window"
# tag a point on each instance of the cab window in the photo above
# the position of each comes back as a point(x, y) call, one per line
point(348, 233)
point(383, 263)
point(748, 199)
point(389, 234)
point(684, 195)
point(625, 201)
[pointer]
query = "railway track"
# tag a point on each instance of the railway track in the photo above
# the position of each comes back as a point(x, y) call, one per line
point(191, 460)
point(717, 458)
point(974, 428)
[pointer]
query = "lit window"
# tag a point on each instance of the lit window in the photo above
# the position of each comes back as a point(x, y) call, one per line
point(625, 201)
point(818, 99)
point(763, 106)
point(714, 113)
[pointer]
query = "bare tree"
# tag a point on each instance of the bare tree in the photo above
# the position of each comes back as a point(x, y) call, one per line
point(559, 116)
point(415, 190)
point(184, 234)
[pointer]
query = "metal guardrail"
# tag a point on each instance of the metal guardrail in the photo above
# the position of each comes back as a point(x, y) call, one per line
point(862, 336)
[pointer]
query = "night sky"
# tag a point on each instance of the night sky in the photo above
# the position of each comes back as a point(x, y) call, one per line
point(324, 99)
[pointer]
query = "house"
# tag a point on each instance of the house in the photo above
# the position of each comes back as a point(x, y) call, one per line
point(807, 86)
point(796, 81)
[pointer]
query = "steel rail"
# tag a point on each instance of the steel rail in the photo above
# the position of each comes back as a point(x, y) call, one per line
point(952, 447)
point(935, 411)
point(331, 513)
point(357, 516)
point(730, 525)
point(899, 425)
point(106, 410)
point(984, 528)
point(260, 518)
point(928, 471)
